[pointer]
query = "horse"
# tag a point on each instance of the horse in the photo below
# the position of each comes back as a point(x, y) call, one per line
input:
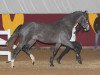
point(60, 33)
point(97, 30)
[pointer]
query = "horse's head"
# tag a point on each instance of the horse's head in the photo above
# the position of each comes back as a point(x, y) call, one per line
point(83, 21)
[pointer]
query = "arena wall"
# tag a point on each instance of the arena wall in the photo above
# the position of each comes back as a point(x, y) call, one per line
point(11, 21)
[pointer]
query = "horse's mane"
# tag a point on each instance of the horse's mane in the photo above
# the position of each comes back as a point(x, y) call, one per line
point(73, 15)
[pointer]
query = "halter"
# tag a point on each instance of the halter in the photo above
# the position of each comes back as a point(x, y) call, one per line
point(79, 19)
point(78, 22)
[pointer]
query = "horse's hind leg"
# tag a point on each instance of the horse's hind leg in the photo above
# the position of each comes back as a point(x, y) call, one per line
point(15, 53)
point(17, 50)
point(26, 49)
point(62, 54)
point(78, 49)
point(54, 54)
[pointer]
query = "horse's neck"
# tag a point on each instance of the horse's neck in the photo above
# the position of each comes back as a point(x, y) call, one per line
point(69, 22)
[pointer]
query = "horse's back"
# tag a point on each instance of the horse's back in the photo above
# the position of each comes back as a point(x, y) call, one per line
point(40, 31)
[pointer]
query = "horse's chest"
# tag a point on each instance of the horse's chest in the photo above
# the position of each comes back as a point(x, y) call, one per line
point(73, 37)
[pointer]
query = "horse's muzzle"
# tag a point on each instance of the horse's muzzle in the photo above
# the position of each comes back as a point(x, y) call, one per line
point(86, 30)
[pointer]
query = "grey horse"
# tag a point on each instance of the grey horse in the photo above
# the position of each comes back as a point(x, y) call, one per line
point(60, 33)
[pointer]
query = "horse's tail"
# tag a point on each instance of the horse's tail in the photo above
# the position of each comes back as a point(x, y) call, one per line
point(13, 37)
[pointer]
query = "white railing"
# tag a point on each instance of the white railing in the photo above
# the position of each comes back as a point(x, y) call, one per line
point(3, 43)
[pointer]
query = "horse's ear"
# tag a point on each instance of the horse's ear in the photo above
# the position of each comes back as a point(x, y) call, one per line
point(85, 12)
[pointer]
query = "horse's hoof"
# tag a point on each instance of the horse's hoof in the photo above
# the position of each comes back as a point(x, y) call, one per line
point(33, 63)
point(79, 61)
point(12, 66)
point(58, 60)
point(51, 65)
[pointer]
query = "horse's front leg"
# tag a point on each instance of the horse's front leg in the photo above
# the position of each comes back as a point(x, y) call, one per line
point(62, 54)
point(78, 49)
point(54, 54)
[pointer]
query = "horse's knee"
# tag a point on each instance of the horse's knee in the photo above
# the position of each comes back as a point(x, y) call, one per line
point(16, 51)
point(77, 46)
